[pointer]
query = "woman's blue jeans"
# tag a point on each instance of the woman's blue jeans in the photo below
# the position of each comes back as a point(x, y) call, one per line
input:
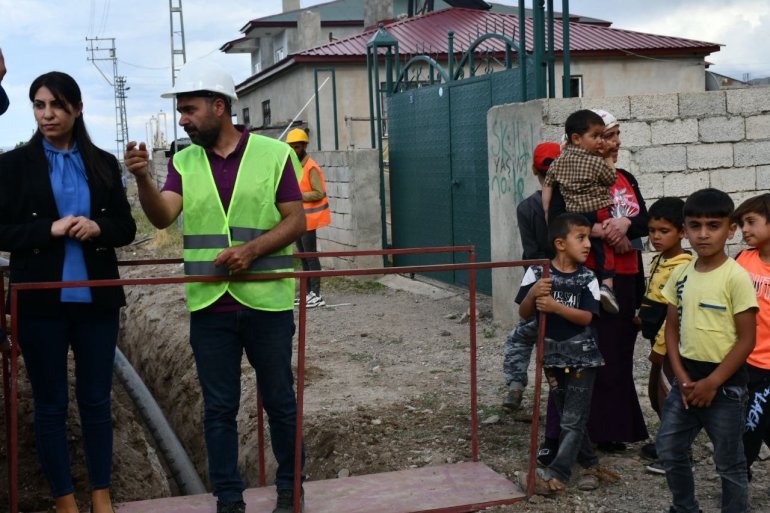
point(218, 341)
point(45, 344)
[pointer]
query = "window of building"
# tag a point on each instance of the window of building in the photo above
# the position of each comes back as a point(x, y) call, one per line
point(258, 67)
point(266, 113)
point(279, 54)
point(246, 117)
point(576, 86)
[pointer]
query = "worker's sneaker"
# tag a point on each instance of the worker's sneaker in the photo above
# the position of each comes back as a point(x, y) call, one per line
point(285, 502)
point(312, 300)
point(513, 399)
point(231, 507)
point(296, 301)
point(607, 299)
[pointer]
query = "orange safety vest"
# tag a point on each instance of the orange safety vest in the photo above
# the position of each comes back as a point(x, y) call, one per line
point(317, 213)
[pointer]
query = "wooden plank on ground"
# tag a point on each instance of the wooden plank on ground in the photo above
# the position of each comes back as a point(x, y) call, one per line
point(454, 488)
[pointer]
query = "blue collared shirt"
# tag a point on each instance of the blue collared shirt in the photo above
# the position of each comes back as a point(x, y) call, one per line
point(73, 197)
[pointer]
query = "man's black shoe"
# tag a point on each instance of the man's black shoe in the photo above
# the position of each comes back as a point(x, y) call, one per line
point(231, 507)
point(285, 502)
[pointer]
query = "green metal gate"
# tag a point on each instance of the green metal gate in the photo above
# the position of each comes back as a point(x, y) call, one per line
point(437, 132)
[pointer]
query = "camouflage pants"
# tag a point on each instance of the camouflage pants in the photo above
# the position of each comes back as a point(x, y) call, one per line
point(517, 352)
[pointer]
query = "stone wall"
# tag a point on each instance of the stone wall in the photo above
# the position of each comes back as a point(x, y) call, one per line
point(674, 144)
point(353, 187)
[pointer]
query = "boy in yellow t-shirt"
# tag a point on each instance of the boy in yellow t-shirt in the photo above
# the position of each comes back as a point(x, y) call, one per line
point(710, 330)
point(753, 216)
point(666, 231)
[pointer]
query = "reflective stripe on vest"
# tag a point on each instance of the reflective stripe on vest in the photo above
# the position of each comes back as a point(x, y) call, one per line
point(317, 213)
point(209, 230)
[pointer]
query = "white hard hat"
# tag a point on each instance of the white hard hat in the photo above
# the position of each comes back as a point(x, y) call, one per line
point(203, 76)
point(609, 120)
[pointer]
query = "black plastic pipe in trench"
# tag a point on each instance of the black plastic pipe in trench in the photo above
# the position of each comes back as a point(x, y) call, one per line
point(182, 469)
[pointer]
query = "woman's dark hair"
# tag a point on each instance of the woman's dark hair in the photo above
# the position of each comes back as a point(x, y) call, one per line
point(64, 88)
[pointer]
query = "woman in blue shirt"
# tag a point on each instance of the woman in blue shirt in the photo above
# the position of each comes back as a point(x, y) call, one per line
point(63, 211)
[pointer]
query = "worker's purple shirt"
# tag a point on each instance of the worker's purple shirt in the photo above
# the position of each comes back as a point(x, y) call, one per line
point(225, 171)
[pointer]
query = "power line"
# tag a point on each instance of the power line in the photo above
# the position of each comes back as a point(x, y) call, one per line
point(161, 68)
point(118, 84)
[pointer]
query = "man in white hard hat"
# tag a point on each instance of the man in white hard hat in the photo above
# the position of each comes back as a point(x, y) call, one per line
point(232, 227)
point(317, 212)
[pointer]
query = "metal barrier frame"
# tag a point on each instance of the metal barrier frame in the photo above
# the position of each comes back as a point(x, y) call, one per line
point(10, 353)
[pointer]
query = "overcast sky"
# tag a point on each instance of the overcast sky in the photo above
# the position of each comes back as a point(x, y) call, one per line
point(37, 36)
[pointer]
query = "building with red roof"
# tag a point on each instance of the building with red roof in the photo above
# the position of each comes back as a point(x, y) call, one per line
point(604, 61)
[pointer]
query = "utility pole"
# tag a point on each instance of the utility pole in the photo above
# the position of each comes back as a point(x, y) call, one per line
point(178, 53)
point(118, 84)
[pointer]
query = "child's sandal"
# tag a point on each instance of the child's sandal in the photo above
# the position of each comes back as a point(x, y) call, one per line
point(542, 486)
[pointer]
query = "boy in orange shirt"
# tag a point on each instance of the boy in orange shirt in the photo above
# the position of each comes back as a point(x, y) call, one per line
point(753, 217)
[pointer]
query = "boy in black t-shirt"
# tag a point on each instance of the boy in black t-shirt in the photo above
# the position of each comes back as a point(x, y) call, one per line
point(570, 299)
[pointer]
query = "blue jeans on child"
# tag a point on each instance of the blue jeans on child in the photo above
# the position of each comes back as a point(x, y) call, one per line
point(724, 422)
point(573, 400)
point(218, 341)
point(45, 344)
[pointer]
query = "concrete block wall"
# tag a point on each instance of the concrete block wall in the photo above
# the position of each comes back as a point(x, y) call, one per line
point(353, 187)
point(673, 144)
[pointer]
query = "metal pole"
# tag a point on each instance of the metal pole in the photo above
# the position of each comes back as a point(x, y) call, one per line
point(474, 377)
point(334, 107)
point(566, 86)
point(451, 55)
point(303, 283)
point(540, 91)
point(533, 434)
point(522, 53)
point(371, 101)
point(550, 59)
point(317, 110)
point(13, 417)
point(383, 214)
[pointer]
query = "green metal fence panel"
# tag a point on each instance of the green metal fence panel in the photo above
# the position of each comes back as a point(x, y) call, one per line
point(470, 99)
point(439, 177)
point(419, 162)
point(439, 174)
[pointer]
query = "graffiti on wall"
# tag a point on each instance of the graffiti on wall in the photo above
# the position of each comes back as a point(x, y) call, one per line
point(511, 145)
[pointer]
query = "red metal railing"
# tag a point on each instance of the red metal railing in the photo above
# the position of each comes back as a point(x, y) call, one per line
point(11, 353)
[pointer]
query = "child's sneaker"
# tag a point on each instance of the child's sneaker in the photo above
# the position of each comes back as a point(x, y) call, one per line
point(656, 467)
point(649, 452)
point(313, 301)
point(547, 452)
point(513, 399)
point(607, 299)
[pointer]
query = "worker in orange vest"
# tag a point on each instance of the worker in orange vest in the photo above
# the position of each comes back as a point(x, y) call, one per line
point(317, 212)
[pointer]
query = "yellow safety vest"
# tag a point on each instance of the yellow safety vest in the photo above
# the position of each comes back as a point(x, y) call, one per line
point(208, 229)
